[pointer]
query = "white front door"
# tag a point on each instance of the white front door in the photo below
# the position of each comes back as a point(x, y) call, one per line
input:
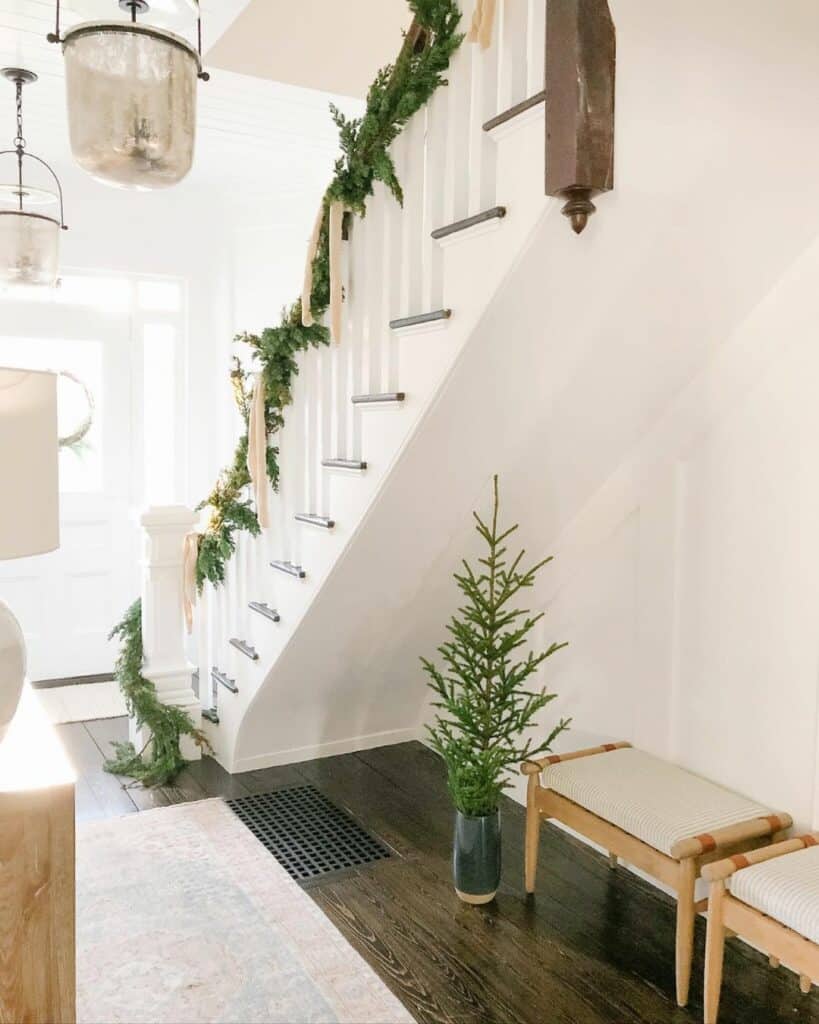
point(67, 601)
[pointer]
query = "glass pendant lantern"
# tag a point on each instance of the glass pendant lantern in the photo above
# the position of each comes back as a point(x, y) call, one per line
point(131, 91)
point(31, 218)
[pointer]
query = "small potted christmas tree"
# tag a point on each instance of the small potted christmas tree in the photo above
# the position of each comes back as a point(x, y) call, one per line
point(484, 706)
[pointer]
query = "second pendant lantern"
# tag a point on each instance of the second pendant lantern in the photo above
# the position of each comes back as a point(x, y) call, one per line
point(131, 91)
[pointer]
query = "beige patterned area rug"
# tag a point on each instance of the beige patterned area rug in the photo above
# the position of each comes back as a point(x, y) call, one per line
point(183, 917)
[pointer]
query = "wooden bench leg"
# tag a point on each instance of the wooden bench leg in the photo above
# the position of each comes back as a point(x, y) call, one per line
point(714, 952)
point(685, 927)
point(532, 834)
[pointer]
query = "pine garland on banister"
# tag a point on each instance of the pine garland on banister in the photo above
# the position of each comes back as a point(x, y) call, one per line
point(398, 92)
point(161, 760)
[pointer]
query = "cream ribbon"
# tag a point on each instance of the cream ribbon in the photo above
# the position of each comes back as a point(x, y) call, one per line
point(190, 552)
point(482, 20)
point(307, 286)
point(257, 451)
point(336, 288)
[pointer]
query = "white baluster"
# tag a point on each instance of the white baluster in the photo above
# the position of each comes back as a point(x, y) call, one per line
point(280, 532)
point(376, 321)
point(513, 44)
point(482, 148)
point(310, 430)
point(413, 184)
point(399, 270)
point(355, 341)
point(459, 98)
point(381, 305)
point(434, 175)
point(326, 450)
point(341, 400)
point(294, 465)
point(163, 626)
point(201, 626)
point(536, 47)
point(393, 224)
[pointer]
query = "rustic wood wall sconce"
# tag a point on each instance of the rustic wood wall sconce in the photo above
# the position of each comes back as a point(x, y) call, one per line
point(580, 69)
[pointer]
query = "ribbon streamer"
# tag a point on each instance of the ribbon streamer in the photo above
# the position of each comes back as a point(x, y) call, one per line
point(336, 289)
point(190, 552)
point(307, 286)
point(482, 20)
point(257, 451)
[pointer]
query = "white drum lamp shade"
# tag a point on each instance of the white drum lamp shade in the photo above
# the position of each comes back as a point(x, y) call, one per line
point(29, 510)
point(29, 448)
point(131, 92)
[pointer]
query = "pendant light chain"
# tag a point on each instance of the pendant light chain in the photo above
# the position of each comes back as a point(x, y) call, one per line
point(20, 143)
point(55, 37)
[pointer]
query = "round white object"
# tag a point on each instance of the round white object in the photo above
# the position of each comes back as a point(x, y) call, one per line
point(12, 666)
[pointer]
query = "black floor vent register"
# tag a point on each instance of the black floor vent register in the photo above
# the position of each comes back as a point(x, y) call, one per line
point(306, 833)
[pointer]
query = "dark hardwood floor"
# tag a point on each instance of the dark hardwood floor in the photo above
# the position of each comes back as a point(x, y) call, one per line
point(594, 946)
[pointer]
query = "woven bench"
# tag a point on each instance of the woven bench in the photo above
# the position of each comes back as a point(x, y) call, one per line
point(771, 898)
point(652, 814)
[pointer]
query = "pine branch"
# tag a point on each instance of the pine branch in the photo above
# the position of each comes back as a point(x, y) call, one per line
point(483, 708)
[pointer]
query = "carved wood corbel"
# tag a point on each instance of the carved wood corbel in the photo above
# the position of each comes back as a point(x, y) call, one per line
point(580, 72)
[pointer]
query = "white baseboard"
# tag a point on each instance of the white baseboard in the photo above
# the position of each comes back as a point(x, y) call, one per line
point(330, 749)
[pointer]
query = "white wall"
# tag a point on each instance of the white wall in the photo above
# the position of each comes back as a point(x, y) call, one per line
point(645, 392)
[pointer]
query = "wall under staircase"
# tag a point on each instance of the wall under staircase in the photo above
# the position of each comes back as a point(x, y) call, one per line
point(646, 392)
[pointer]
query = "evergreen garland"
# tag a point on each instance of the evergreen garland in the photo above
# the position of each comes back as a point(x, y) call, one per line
point(161, 760)
point(482, 689)
point(398, 92)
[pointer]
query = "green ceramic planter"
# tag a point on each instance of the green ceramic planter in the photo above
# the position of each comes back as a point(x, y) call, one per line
point(476, 857)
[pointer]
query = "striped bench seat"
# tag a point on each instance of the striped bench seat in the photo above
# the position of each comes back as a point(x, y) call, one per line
point(649, 798)
point(770, 897)
point(785, 888)
point(654, 815)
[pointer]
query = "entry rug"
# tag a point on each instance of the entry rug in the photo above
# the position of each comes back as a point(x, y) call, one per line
point(82, 702)
point(183, 917)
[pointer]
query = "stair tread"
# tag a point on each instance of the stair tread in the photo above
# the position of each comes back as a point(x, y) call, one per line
point(515, 111)
point(420, 318)
point(343, 464)
point(314, 520)
point(289, 568)
point(390, 396)
point(264, 609)
point(224, 680)
point(494, 213)
point(245, 648)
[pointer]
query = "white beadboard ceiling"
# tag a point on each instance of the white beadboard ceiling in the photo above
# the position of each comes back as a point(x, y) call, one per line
point(320, 44)
point(259, 141)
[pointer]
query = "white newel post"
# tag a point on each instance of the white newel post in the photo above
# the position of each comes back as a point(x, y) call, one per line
point(163, 625)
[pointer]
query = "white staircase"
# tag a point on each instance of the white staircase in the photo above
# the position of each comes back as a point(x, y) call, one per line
point(417, 280)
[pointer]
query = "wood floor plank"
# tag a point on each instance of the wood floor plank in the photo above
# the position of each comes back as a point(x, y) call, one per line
point(266, 780)
point(405, 974)
point(107, 731)
point(504, 984)
point(85, 756)
point(214, 781)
